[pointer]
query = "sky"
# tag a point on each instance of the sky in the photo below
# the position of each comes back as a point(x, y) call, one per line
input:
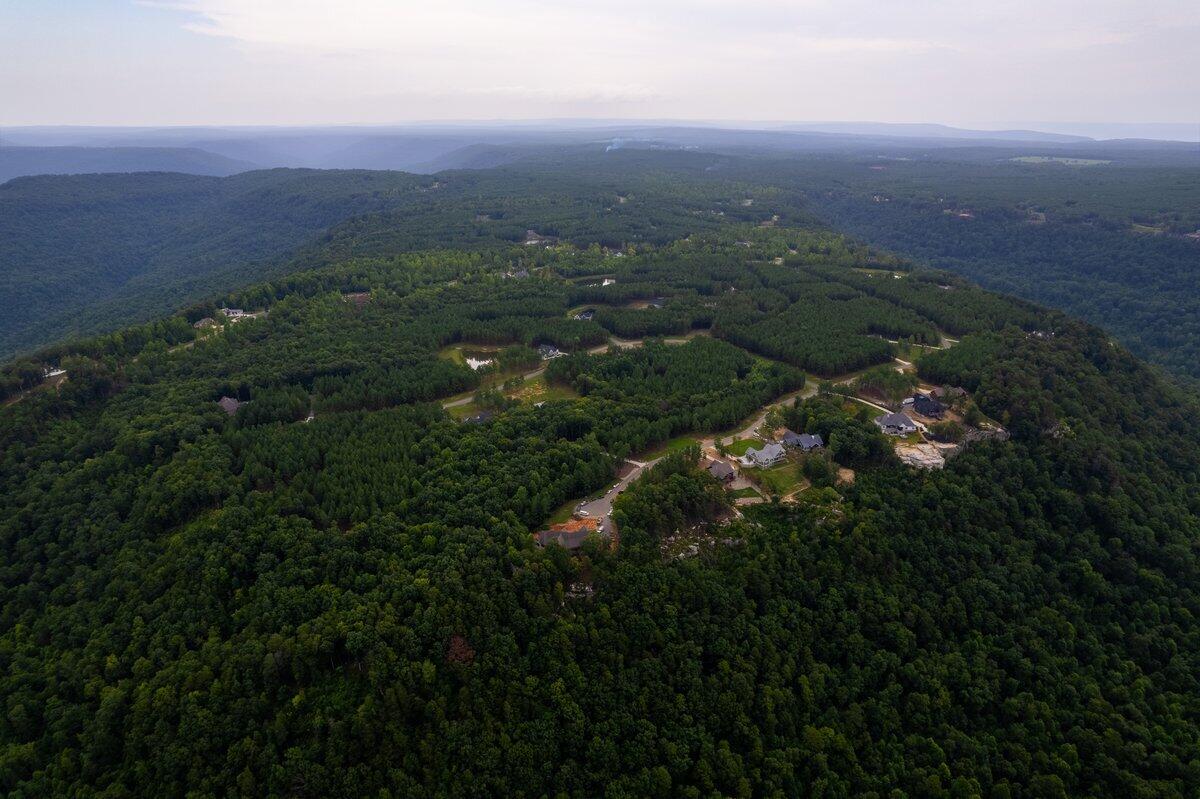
point(971, 63)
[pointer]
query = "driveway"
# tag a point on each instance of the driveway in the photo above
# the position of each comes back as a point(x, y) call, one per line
point(751, 429)
point(599, 508)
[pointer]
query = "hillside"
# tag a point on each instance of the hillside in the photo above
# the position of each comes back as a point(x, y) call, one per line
point(1111, 244)
point(19, 161)
point(93, 252)
point(1098, 229)
point(87, 254)
point(329, 585)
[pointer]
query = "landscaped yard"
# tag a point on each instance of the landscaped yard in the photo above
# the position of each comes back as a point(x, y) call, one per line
point(743, 493)
point(779, 480)
point(739, 446)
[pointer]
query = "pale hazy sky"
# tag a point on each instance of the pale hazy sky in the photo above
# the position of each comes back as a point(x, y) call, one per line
point(980, 63)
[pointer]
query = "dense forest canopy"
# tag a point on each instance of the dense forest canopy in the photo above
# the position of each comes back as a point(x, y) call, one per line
point(332, 589)
point(1100, 230)
point(91, 253)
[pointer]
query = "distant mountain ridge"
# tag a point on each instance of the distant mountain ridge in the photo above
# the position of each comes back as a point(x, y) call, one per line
point(932, 131)
point(430, 148)
point(21, 161)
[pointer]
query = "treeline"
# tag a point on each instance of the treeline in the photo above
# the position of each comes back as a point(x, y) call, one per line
point(639, 397)
point(953, 304)
point(829, 330)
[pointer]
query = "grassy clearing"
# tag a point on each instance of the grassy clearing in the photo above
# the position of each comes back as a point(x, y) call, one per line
point(779, 480)
point(538, 390)
point(739, 446)
point(743, 493)
point(674, 445)
point(463, 411)
point(563, 513)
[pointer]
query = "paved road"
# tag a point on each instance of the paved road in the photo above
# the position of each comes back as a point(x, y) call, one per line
point(470, 397)
point(749, 430)
point(599, 508)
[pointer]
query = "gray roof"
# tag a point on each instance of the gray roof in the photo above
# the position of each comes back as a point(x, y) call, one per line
point(769, 452)
point(229, 405)
point(895, 420)
point(927, 405)
point(803, 440)
point(810, 441)
point(720, 470)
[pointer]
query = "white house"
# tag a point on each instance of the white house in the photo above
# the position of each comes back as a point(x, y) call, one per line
point(896, 424)
point(769, 455)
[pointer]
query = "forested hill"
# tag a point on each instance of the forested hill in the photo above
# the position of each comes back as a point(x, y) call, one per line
point(20, 161)
point(1110, 243)
point(90, 253)
point(328, 585)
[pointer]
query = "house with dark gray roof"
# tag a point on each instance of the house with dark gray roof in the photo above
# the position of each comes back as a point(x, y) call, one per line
point(722, 471)
point(802, 441)
point(928, 406)
point(896, 424)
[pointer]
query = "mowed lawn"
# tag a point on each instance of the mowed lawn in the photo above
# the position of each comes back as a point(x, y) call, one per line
point(779, 480)
point(739, 446)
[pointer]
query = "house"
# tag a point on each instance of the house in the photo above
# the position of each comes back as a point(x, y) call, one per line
point(519, 274)
point(205, 324)
point(549, 351)
point(722, 471)
point(357, 298)
point(948, 393)
point(928, 406)
point(657, 302)
point(234, 313)
point(896, 424)
point(804, 442)
point(586, 315)
point(569, 535)
point(480, 418)
point(769, 455)
point(229, 404)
